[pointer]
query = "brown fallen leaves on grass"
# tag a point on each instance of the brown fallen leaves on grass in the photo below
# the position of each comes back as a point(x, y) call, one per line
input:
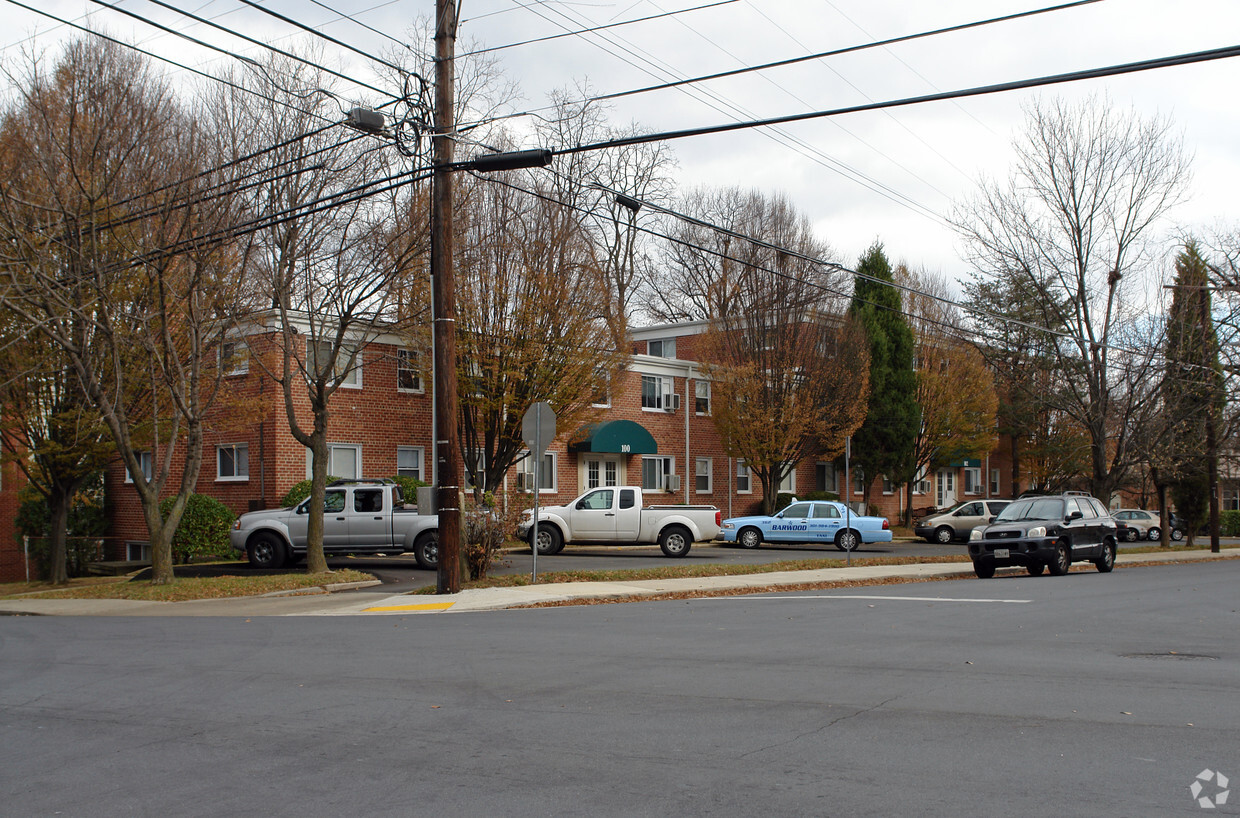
point(186, 588)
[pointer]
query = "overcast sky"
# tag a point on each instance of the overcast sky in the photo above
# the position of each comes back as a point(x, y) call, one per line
point(887, 175)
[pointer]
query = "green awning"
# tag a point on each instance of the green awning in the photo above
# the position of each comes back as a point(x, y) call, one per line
point(615, 437)
point(967, 464)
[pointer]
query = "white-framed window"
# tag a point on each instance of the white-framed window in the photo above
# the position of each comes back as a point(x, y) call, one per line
point(409, 462)
point(344, 460)
point(858, 481)
point(234, 358)
point(972, 480)
point(232, 461)
point(602, 396)
point(146, 462)
point(137, 551)
point(994, 482)
point(824, 476)
point(922, 484)
point(658, 394)
point(467, 476)
point(655, 471)
point(351, 377)
point(546, 477)
point(1231, 500)
point(662, 348)
point(703, 474)
point(789, 484)
point(408, 373)
point(744, 477)
point(888, 486)
point(701, 397)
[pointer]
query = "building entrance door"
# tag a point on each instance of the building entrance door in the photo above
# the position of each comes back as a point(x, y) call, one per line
point(945, 494)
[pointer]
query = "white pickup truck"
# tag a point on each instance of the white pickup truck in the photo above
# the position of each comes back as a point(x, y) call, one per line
point(359, 517)
point(614, 515)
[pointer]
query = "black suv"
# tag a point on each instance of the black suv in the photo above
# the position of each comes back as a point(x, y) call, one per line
point(1046, 531)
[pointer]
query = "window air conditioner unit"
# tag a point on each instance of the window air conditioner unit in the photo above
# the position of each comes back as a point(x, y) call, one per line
point(672, 482)
point(671, 402)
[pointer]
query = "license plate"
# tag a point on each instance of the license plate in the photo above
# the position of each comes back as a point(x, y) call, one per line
point(1002, 552)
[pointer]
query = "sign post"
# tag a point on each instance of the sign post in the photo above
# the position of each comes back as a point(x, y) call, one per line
point(537, 430)
point(847, 490)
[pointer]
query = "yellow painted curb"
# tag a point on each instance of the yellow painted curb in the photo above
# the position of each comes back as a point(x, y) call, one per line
point(430, 606)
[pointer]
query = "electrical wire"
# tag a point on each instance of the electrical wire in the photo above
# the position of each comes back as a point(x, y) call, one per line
point(1036, 82)
point(597, 28)
point(840, 51)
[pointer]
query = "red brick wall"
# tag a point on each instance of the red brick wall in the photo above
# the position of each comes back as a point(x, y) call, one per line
point(12, 555)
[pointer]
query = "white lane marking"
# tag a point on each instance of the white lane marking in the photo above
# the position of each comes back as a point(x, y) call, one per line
point(864, 596)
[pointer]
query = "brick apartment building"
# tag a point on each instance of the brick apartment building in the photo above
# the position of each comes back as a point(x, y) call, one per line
point(655, 430)
point(12, 555)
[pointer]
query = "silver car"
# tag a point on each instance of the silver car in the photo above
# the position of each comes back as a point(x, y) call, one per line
point(1137, 524)
point(958, 523)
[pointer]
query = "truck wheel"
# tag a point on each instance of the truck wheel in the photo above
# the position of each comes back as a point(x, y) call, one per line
point(750, 538)
point(426, 550)
point(550, 542)
point(985, 569)
point(1061, 561)
point(675, 541)
point(847, 540)
point(266, 551)
point(944, 534)
point(1107, 561)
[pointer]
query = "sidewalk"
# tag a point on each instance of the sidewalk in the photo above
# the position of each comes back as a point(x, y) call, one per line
point(494, 599)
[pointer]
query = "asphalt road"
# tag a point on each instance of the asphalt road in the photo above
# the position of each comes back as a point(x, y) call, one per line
point(1082, 695)
point(401, 573)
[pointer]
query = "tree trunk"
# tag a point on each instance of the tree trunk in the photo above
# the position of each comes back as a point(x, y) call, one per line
point(316, 559)
point(58, 506)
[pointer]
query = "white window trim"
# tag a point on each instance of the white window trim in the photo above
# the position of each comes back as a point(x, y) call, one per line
point(526, 460)
point(606, 402)
point(357, 463)
point(710, 475)
point(242, 366)
point(669, 469)
point(219, 450)
point(887, 482)
point(421, 461)
point(976, 491)
point(791, 477)
point(666, 390)
point(411, 355)
point(341, 358)
point(697, 384)
point(741, 464)
point(146, 463)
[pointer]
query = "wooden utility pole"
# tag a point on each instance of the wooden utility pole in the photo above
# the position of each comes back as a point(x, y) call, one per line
point(443, 299)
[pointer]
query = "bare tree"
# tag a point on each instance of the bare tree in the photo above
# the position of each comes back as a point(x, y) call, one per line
point(111, 251)
point(710, 257)
point(532, 321)
point(340, 239)
point(1074, 225)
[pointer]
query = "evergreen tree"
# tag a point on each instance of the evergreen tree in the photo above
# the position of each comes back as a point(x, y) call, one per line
point(884, 443)
point(1192, 388)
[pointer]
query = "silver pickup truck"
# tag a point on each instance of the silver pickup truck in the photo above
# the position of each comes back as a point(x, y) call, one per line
point(359, 517)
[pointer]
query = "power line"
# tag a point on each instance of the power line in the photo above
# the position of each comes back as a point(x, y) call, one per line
point(253, 41)
point(848, 50)
point(596, 28)
point(1054, 79)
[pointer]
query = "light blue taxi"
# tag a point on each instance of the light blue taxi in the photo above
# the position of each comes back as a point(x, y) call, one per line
point(808, 521)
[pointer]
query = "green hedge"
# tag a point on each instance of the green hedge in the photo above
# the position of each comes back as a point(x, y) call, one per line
point(1229, 524)
point(203, 530)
